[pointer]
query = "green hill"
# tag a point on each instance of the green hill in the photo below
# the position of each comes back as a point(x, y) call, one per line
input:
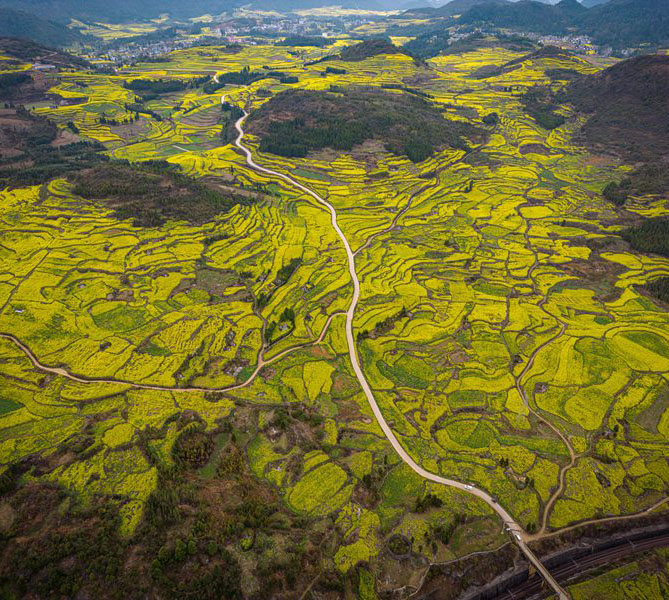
point(528, 15)
point(296, 121)
point(369, 48)
point(628, 22)
point(29, 51)
point(19, 24)
point(119, 10)
point(619, 23)
point(628, 107)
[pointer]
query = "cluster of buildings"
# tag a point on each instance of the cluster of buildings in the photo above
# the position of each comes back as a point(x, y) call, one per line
point(580, 44)
point(132, 52)
point(234, 30)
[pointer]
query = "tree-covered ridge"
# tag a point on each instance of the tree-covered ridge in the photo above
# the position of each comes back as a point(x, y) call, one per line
point(21, 24)
point(29, 154)
point(648, 179)
point(627, 107)
point(305, 40)
point(153, 192)
point(619, 23)
point(246, 76)
point(369, 48)
point(297, 121)
point(650, 236)
point(659, 288)
point(62, 11)
point(29, 51)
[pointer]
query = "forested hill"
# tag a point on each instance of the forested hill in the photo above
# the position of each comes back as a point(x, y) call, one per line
point(628, 105)
point(620, 23)
point(369, 48)
point(117, 10)
point(28, 51)
point(456, 7)
point(20, 24)
point(296, 121)
point(528, 15)
point(629, 22)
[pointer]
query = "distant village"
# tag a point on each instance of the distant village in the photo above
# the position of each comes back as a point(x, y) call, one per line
point(252, 29)
point(249, 30)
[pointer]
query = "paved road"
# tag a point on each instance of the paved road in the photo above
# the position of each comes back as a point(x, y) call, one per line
point(516, 530)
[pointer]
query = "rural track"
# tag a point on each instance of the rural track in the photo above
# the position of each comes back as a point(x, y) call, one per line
point(517, 531)
point(573, 457)
point(167, 388)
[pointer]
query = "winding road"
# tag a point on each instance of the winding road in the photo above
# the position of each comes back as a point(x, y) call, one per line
point(516, 530)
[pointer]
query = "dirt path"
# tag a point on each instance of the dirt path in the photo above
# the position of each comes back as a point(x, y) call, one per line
point(572, 454)
point(166, 388)
point(647, 511)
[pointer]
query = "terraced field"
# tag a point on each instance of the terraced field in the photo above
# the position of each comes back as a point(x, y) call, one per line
point(499, 324)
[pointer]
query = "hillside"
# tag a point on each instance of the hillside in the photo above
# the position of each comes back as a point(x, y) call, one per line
point(120, 10)
point(369, 48)
point(629, 107)
point(428, 44)
point(516, 44)
point(456, 7)
point(153, 192)
point(434, 43)
point(620, 23)
point(629, 22)
point(527, 15)
point(32, 52)
point(33, 150)
point(297, 121)
point(20, 24)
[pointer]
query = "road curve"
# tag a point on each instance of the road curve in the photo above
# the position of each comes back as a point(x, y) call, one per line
point(516, 530)
point(166, 388)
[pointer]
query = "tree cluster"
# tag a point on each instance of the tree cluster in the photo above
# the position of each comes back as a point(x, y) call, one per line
point(151, 193)
point(659, 288)
point(407, 125)
point(539, 104)
point(164, 86)
point(650, 236)
point(40, 161)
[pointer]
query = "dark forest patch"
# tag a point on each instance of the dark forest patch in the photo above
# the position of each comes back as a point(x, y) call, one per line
point(650, 236)
point(369, 48)
point(628, 107)
point(30, 153)
point(297, 121)
point(154, 192)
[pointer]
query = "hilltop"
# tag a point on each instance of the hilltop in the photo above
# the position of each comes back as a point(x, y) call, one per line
point(20, 24)
point(29, 51)
point(628, 105)
point(527, 15)
point(619, 23)
point(297, 121)
point(628, 22)
point(456, 7)
point(119, 11)
point(369, 48)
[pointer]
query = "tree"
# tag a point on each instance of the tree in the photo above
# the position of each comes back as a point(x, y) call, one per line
point(614, 193)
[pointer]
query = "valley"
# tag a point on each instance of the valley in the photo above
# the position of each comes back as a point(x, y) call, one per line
point(325, 321)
